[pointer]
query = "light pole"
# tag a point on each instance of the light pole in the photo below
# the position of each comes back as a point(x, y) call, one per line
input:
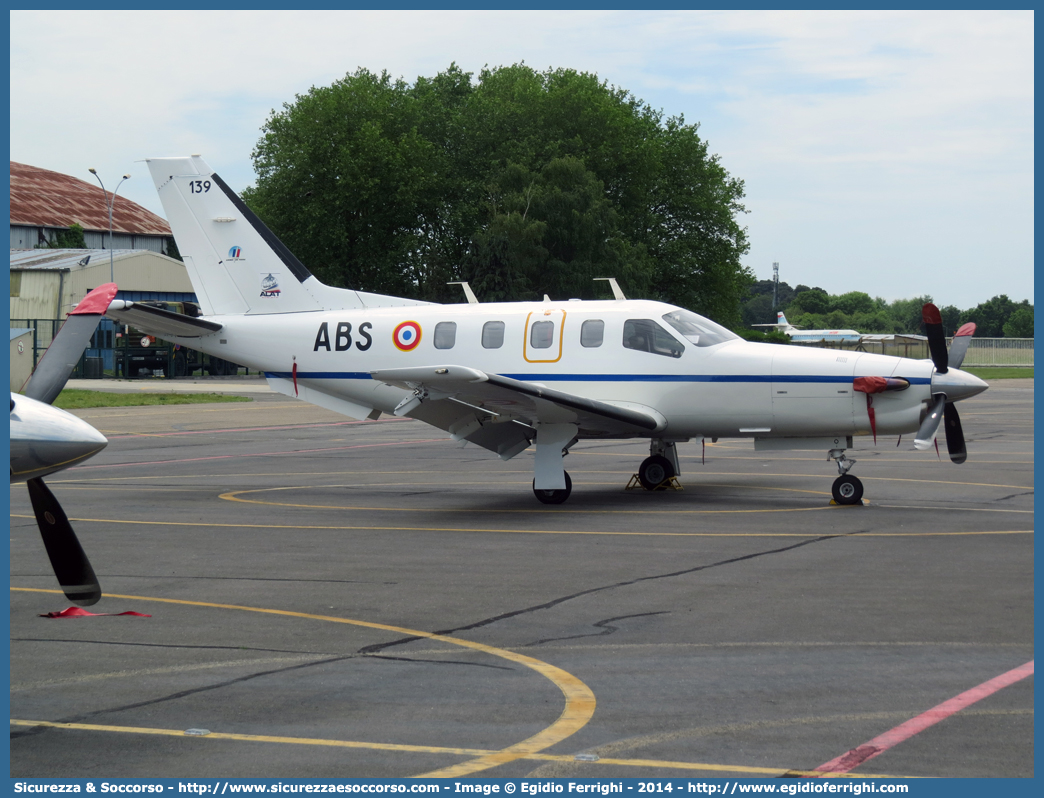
point(109, 203)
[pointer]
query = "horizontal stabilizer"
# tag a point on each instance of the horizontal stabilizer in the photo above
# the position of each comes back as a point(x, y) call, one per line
point(160, 322)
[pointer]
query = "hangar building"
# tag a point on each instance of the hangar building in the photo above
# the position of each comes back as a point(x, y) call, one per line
point(48, 282)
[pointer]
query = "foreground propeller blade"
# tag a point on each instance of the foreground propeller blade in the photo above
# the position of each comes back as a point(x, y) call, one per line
point(62, 355)
point(70, 564)
point(954, 434)
point(930, 425)
point(933, 329)
point(959, 346)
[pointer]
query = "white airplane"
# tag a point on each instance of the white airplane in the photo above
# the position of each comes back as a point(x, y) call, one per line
point(507, 376)
point(798, 335)
point(45, 439)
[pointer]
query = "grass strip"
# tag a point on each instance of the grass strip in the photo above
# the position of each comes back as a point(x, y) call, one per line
point(76, 399)
point(1001, 372)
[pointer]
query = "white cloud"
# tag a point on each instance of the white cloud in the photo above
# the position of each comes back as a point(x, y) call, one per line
point(871, 143)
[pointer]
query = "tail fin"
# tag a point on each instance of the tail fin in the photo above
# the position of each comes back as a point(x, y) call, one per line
point(235, 263)
point(781, 319)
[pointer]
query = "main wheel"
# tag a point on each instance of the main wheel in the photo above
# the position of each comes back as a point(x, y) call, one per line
point(847, 490)
point(554, 496)
point(654, 471)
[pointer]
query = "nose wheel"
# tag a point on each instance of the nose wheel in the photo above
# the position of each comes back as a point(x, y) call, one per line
point(554, 496)
point(847, 489)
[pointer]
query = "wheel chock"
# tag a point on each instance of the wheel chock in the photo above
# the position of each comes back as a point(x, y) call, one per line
point(668, 484)
point(860, 503)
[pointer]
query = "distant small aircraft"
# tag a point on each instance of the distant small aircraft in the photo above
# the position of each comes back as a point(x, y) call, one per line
point(510, 375)
point(798, 335)
point(45, 439)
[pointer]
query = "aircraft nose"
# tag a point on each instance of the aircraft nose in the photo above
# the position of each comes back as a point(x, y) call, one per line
point(957, 385)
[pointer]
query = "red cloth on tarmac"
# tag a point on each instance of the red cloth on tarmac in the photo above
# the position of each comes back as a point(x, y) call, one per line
point(77, 612)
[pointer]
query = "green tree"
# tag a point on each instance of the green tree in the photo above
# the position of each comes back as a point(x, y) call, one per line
point(906, 314)
point(990, 316)
point(523, 182)
point(853, 302)
point(951, 317)
point(759, 310)
point(1020, 323)
point(815, 300)
point(67, 239)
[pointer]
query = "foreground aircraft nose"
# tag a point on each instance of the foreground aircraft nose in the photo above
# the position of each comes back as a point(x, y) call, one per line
point(45, 439)
point(957, 385)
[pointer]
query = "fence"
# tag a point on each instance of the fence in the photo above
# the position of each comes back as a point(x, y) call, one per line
point(982, 352)
point(1000, 352)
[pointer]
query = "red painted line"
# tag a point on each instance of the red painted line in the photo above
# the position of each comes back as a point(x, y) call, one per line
point(905, 731)
point(258, 454)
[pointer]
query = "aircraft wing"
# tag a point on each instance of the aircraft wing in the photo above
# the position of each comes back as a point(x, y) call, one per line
point(157, 321)
point(501, 413)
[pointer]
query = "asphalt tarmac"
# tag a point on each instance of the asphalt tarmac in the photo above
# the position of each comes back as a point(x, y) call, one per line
point(332, 598)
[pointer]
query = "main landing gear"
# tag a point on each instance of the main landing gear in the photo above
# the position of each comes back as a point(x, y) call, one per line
point(846, 489)
point(554, 496)
point(660, 466)
point(654, 471)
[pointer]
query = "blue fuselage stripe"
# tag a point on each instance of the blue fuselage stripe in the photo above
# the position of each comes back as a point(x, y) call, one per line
point(801, 378)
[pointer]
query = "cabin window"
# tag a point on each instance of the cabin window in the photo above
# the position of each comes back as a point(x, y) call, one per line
point(645, 335)
point(698, 330)
point(445, 334)
point(493, 335)
point(591, 332)
point(541, 334)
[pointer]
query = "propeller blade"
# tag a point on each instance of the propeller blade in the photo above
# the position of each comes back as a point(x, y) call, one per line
point(930, 425)
point(959, 346)
point(936, 340)
point(70, 564)
point(954, 434)
point(61, 357)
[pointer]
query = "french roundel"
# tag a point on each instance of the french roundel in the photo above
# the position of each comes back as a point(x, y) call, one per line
point(407, 335)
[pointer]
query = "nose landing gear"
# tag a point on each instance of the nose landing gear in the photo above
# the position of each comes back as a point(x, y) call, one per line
point(847, 489)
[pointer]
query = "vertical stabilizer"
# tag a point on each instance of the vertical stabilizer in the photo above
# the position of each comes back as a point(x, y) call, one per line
point(236, 264)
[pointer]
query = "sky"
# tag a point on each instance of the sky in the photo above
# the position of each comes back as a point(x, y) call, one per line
point(889, 152)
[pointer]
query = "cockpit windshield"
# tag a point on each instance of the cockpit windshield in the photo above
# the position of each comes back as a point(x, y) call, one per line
point(698, 330)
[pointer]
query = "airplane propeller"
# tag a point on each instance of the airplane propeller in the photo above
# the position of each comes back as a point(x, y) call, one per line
point(48, 440)
point(945, 391)
point(70, 563)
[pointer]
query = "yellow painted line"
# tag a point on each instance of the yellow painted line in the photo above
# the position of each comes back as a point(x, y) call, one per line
point(235, 496)
point(432, 749)
point(579, 700)
point(373, 528)
point(258, 738)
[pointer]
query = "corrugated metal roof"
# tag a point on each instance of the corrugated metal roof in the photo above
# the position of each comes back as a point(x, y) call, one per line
point(60, 259)
point(43, 198)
